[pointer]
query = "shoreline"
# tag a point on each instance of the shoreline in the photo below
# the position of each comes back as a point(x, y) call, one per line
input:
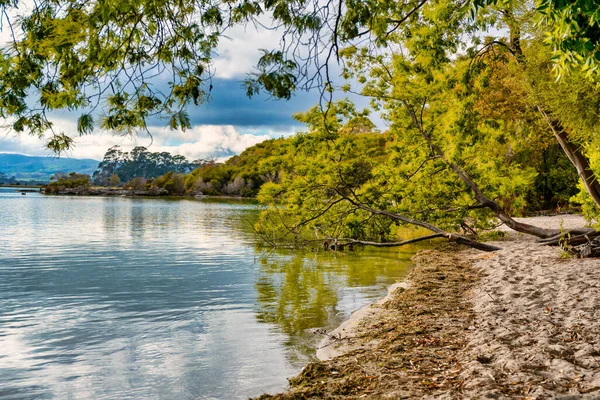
point(340, 341)
point(523, 322)
point(384, 358)
point(113, 192)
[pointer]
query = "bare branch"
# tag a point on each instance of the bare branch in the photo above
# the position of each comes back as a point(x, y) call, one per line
point(394, 244)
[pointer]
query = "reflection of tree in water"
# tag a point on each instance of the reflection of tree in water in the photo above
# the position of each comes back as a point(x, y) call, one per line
point(295, 294)
point(301, 291)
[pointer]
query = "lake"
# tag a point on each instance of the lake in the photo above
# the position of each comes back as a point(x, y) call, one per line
point(131, 298)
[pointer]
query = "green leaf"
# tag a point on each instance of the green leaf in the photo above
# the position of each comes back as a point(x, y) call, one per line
point(85, 124)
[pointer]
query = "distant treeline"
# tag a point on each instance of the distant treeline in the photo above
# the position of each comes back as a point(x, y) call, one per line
point(143, 173)
point(240, 176)
point(139, 163)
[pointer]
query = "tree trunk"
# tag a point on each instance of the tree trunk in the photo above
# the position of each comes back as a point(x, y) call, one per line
point(481, 198)
point(572, 150)
point(576, 156)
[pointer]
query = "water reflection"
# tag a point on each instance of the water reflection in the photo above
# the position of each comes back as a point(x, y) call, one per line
point(151, 298)
point(302, 291)
point(295, 294)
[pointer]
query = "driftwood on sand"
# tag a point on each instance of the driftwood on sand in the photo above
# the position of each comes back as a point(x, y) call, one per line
point(587, 250)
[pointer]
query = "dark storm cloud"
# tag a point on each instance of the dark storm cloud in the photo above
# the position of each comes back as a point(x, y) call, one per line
point(231, 106)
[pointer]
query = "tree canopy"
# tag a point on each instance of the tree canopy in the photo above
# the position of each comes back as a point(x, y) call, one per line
point(469, 89)
point(140, 163)
point(469, 113)
point(119, 63)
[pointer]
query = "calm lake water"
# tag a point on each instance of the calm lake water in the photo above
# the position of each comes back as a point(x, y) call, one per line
point(120, 298)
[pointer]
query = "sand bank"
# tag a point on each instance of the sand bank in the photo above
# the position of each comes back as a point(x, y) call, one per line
point(537, 321)
point(523, 322)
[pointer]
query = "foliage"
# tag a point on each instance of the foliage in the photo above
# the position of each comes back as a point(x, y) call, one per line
point(329, 180)
point(172, 183)
point(471, 116)
point(495, 112)
point(139, 163)
point(62, 181)
point(457, 130)
point(574, 35)
point(589, 208)
point(136, 184)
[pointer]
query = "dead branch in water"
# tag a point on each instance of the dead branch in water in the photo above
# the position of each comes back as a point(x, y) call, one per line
point(450, 236)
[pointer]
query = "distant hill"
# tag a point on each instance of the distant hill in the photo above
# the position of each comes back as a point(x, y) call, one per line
point(42, 168)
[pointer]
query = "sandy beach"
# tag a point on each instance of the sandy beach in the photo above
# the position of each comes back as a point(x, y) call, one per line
point(522, 322)
point(537, 321)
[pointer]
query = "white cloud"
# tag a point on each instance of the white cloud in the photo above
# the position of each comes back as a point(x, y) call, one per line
point(239, 51)
point(205, 140)
point(236, 55)
point(200, 141)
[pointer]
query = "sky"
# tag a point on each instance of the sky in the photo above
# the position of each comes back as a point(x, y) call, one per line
point(227, 125)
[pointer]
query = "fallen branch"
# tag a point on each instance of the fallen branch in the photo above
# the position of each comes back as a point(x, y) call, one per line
point(450, 236)
point(472, 243)
point(390, 244)
point(573, 240)
point(553, 240)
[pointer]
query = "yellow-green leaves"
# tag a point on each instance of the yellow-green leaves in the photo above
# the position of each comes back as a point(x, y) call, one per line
point(573, 32)
point(85, 124)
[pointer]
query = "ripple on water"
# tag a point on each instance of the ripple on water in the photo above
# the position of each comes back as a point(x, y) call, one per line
point(144, 298)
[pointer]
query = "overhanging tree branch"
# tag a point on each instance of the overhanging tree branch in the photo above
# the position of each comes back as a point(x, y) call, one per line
point(453, 237)
point(481, 198)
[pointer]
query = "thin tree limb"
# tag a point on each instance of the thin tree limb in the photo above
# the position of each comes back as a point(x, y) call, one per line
point(392, 244)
